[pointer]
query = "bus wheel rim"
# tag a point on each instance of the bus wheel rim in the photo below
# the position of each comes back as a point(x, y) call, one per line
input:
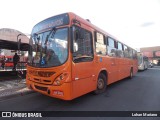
point(100, 83)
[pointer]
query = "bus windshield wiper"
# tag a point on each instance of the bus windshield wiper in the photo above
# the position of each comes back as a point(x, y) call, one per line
point(36, 38)
point(82, 58)
point(53, 31)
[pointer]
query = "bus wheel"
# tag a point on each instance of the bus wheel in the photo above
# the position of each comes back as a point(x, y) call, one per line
point(131, 74)
point(101, 84)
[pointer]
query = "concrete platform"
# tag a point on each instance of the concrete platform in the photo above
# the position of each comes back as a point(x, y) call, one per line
point(12, 88)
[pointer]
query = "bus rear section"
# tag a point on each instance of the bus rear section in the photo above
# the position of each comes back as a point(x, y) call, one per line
point(143, 62)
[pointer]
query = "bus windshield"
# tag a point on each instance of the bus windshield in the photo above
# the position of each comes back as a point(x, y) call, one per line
point(48, 49)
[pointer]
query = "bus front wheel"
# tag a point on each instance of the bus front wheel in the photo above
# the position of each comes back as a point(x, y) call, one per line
point(101, 84)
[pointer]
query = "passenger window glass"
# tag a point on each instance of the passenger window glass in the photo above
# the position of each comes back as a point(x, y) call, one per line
point(111, 47)
point(100, 44)
point(130, 53)
point(119, 46)
point(111, 42)
point(134, 54)
point(120, 52)
point(126, 53)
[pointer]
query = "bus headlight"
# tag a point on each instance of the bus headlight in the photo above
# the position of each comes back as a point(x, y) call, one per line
point(60, 79)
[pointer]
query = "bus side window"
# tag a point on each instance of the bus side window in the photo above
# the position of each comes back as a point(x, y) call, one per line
point(126, 53)
point(120, 52)
point(134, 54)
point(112, 51)
point(100, 44)
point(130, 53)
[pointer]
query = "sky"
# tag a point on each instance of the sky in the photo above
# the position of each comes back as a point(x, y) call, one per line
point(133, 22)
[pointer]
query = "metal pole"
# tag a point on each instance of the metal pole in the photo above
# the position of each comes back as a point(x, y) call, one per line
point(18, 42)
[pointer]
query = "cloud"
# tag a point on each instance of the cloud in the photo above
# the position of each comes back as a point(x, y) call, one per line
point(147, 24)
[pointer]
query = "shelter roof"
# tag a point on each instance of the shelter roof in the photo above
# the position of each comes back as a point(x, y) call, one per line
point(8, 39)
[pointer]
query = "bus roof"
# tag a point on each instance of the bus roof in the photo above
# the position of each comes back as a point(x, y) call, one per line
point(73, 16)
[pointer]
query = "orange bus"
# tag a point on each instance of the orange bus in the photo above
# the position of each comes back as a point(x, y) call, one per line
point(69, 57)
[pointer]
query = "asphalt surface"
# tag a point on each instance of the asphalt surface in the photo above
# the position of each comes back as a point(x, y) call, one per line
point(138, 94)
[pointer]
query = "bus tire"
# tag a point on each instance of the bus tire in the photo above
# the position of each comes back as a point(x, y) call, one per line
point(101, 84)
point(131, 73)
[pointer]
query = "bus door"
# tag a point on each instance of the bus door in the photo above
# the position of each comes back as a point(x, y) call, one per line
point(83, 63)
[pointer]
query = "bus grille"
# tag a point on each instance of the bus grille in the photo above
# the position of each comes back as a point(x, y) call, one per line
point(41, 73)
point(41, 88)
point(42, 81)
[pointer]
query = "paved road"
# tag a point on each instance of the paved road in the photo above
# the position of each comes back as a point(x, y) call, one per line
point(138, 94)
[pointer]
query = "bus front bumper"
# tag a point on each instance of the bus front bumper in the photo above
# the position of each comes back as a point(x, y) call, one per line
point(62, 92)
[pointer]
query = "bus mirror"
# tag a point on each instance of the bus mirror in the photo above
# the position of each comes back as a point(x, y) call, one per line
point(75, 47)
point(19, 44)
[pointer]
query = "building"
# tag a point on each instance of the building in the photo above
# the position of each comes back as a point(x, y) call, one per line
point(153, 53)
point(11, 42)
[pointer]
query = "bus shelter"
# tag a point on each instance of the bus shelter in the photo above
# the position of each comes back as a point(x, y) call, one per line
point(11, 42)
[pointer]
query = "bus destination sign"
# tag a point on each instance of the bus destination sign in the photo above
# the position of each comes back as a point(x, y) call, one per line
point(51, 22)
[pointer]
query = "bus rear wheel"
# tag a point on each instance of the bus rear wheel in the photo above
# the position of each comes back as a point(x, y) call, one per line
point(101, 84)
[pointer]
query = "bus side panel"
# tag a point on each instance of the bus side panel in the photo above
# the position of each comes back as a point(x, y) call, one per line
point(135, 66)
point(109, 64)
point(121, 68)
point(127, 67)
point(112, 68)
point(83, 78)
